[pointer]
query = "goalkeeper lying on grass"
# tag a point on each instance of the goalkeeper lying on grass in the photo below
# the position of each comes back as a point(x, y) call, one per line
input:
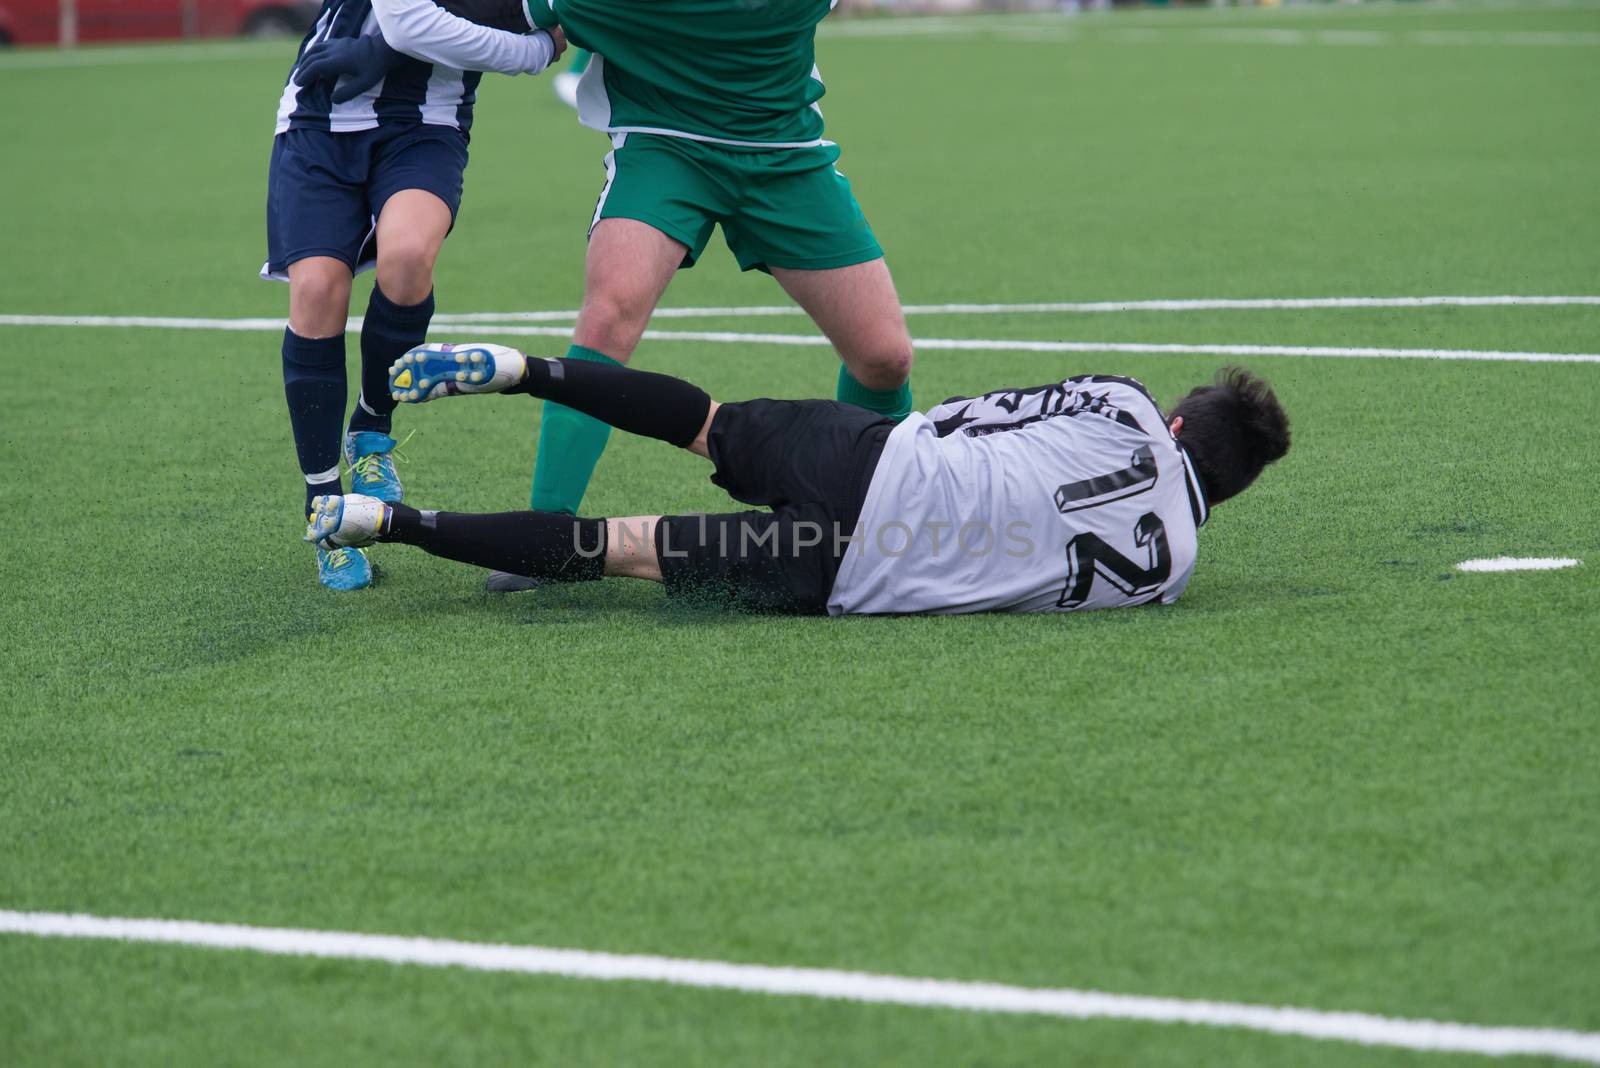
point(1076, 494)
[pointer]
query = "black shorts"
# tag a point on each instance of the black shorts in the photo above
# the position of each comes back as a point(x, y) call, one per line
point(809, 462)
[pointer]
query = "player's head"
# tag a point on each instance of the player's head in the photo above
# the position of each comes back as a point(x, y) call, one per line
point(1232, 429)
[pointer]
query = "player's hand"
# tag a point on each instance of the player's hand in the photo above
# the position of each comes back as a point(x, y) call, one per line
point(558, 39)
point(353, 64)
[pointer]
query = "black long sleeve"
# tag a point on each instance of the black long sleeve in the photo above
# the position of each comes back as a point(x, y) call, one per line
point(505, 15)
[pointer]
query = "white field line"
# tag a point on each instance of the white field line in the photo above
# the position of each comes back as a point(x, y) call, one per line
point(1013, 345)
point(1363, 1028)
point(1279, 36)
point(1519, 563)
point(1070, 307)
point(777, 310)
point(160, 322)
point(816, 340)
point(1049, 29)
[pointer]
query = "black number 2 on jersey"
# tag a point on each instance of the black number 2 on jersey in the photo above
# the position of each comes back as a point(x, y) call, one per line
point(1088, 555)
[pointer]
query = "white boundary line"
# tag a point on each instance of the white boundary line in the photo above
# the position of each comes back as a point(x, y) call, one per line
point(1070, 307)
point(780, 310)
point(1363, 1028)
point(1519, 563)
point(1144, 348)
point(1056, 29)
point(816, 340)
point(160, 322)
point(1262, 35)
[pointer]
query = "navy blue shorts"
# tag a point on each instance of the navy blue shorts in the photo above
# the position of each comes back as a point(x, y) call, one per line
point(325, 190)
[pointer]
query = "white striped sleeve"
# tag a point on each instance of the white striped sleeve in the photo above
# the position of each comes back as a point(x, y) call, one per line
point(424, 30)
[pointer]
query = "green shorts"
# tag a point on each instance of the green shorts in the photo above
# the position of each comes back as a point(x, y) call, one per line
point(781, 208)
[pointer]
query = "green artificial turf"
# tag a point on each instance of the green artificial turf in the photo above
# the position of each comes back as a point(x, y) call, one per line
point(1338, 774)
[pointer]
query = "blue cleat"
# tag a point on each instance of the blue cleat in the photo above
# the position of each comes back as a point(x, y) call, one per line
point(344, 569)
point(430, 371)
point(339, 527)
point(371, 459)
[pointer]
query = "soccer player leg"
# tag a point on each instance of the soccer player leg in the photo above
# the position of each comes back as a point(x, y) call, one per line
point(627, 269)
point(647, 223)
point(759, 561)
point(314, 386)
point(410, 230)
point(636, 402)
point(313, 367)
point(802, 223)
point(415, 191)
point(857, 309)
point(654, 215)
point(316, 221)
point(552, 546)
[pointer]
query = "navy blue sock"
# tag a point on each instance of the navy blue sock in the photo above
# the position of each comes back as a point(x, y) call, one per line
point(313, 382)
point(387, 332)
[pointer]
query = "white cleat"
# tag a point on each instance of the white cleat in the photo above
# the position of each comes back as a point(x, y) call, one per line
point(430, 371)
point(349, 521)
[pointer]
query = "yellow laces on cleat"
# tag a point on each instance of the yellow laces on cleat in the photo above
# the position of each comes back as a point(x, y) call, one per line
point(370, 465)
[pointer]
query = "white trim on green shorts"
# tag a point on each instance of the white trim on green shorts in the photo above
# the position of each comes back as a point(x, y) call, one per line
point(617, 141)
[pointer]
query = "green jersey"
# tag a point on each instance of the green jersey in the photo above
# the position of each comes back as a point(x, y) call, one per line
point(730, 72)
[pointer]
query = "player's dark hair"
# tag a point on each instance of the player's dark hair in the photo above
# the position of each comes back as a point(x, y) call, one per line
point(1232, 429)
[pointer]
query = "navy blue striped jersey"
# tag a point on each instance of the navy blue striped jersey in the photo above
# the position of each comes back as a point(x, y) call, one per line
point(435, 84)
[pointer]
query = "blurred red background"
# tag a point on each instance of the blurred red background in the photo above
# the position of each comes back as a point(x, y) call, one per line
point(54, 21)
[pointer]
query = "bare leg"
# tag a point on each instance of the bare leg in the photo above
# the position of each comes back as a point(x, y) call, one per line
point(858, 310)
point(631, 548)
point(698, 445)
point(411, 229)
point(319, 296)
point(627, 269)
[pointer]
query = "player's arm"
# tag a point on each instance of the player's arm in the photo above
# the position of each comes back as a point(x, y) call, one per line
point(424, 30)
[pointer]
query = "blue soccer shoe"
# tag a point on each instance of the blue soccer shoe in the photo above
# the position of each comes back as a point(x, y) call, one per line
point(344, 569)
point(430, 371)
point(371, 459)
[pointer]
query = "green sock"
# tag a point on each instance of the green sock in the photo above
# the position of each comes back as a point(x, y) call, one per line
point(570, 444)
point(891, 403)
point(580, 61)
